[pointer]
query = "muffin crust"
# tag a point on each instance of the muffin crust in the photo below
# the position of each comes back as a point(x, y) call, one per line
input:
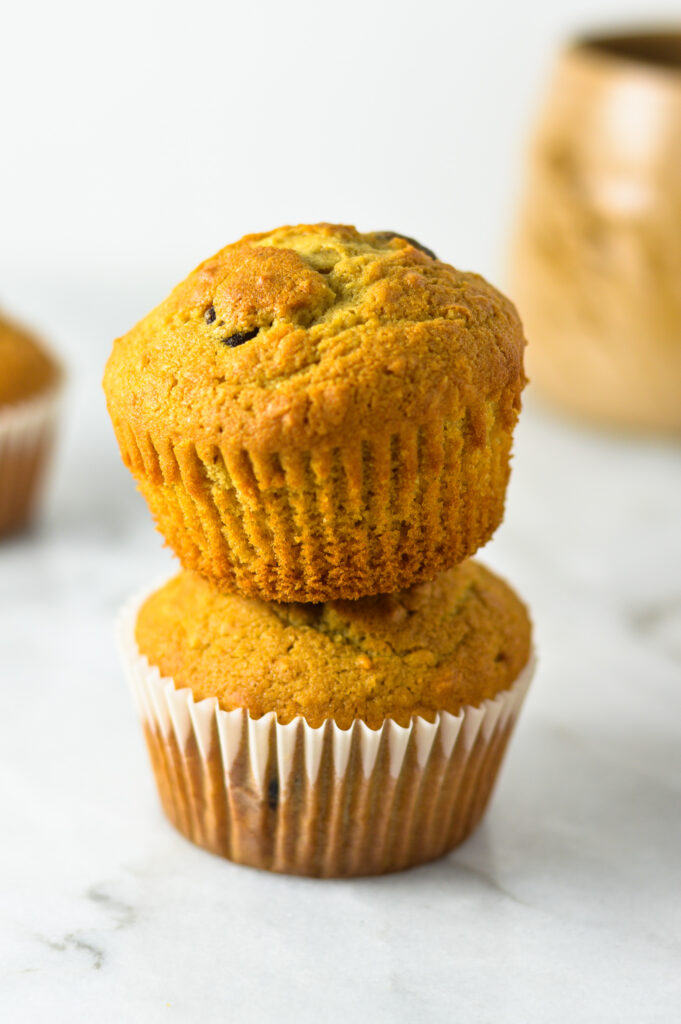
point(352, 331)
point(436, 647)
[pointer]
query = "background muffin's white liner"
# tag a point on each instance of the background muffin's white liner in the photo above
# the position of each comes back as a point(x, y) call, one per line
point(414, 769)
point(26, 432)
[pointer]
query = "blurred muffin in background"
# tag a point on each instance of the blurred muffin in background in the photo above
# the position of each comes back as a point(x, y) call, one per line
point(596, 266)
point(30, 380)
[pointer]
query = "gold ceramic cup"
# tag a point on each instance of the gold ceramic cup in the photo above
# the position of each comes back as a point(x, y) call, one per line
point(596, 263)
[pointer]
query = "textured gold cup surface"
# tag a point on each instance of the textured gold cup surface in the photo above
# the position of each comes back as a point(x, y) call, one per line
point(649, 49)
point(596, 262)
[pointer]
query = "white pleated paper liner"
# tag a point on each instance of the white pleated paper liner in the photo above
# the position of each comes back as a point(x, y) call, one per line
point(318, 801)
point(27, 431)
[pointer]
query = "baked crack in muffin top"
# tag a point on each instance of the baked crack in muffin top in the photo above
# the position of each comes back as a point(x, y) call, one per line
point(306, 332)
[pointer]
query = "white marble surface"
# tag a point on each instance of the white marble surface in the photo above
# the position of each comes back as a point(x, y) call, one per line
point(565, 906)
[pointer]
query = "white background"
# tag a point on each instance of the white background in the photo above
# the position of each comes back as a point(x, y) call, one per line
point(139, 137)
point(136, 139)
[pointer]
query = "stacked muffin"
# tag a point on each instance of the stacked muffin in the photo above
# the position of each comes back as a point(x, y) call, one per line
point(321, 423)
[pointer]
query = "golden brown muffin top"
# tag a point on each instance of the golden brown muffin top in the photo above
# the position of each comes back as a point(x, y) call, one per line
point(26, 368)
point(458, 640)
point(303, 333)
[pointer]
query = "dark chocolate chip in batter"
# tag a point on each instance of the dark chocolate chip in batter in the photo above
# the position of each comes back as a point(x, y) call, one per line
point(209, 315)
point(234, 340)
point(387, 235)
point(273, 794)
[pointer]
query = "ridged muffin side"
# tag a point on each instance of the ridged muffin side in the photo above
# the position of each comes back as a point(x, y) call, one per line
point(319, 414)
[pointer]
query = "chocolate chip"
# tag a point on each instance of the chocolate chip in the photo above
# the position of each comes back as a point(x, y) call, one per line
point(239, 338)
point(209, 315)
point(273, 794)
point(387, 235)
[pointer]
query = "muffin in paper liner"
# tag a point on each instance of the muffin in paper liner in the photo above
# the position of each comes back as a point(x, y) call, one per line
point(27, 431)
point(324, 801)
